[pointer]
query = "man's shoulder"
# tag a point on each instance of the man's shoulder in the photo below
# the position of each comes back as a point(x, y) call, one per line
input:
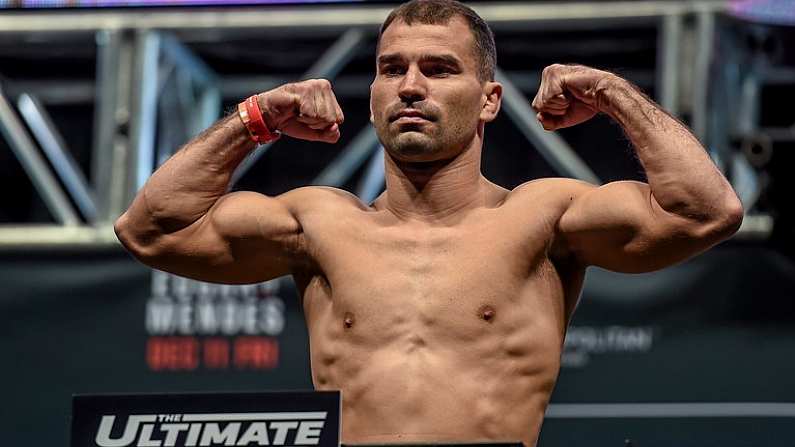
point(544, 199)
point(320, 197)
point(549, 199)
point(554, 188)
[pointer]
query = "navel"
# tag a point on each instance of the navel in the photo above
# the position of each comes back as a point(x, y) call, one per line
point(487, 313)
point(348, 320)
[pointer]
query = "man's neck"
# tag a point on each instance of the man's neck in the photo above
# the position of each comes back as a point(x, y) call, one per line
point(434, 190)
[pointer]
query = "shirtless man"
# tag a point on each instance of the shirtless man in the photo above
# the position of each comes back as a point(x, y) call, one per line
point(439, 309)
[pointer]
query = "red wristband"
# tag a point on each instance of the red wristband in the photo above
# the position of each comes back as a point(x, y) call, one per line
point(251, 115)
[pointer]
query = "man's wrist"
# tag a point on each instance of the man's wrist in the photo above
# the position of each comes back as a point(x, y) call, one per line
point(268, 113)
point(251, 115)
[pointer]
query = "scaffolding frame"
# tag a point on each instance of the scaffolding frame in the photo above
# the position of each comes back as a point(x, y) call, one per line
point(133, 46)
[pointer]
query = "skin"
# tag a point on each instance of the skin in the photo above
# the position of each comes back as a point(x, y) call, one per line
point(441, 308)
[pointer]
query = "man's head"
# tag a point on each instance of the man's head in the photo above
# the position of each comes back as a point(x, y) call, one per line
point(434, 86)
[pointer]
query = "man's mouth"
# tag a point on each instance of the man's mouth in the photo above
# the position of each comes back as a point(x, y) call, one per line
point(410, 120)
point(410, 116)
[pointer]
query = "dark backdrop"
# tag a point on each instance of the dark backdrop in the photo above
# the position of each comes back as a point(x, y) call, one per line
point(718, 328)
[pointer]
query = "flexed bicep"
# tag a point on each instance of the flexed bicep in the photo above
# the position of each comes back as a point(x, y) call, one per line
point(245, 237)
point(621, 227)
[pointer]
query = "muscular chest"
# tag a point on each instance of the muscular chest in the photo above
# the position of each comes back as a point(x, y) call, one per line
point(451, 281)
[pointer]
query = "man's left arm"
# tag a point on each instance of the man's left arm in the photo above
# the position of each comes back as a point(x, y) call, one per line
point(687, 205)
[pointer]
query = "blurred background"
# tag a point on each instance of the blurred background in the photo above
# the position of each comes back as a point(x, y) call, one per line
point(94, 95)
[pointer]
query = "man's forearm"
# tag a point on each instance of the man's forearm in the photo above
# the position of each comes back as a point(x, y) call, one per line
point(682, 177)
point(191, 181)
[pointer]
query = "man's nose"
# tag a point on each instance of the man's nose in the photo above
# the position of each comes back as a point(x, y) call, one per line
point(413, 87)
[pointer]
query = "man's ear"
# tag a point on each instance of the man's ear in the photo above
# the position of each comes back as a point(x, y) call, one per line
point(492, 92)
point(372, 120)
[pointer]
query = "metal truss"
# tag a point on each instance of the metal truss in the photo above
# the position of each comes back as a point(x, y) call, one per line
point(26, 152)
point(54, 147)
point(145, 73)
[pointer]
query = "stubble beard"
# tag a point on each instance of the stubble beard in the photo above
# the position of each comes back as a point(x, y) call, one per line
point(414, 146)
point(425, 145)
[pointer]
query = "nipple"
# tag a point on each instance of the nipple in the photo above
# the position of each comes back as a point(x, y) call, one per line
point(348, 320)
point(487, 313)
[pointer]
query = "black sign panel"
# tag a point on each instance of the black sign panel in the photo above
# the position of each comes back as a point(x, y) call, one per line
point(207, 419)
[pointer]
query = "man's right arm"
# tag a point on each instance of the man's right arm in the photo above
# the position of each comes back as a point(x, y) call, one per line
point(183, 221)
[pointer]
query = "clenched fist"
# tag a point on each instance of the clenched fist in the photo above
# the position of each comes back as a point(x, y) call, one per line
point(307, 110)
point(570, 94)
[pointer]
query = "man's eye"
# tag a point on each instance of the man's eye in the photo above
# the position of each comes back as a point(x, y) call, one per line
point(392, 70)
point(439, 70)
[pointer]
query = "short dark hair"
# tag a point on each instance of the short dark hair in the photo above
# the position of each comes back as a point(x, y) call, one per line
point(440, 12)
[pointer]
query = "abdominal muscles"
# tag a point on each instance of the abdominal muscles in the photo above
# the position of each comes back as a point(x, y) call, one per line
point(455, 381)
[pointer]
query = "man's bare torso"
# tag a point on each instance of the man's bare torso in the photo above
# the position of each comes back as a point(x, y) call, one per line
point(438, 331)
